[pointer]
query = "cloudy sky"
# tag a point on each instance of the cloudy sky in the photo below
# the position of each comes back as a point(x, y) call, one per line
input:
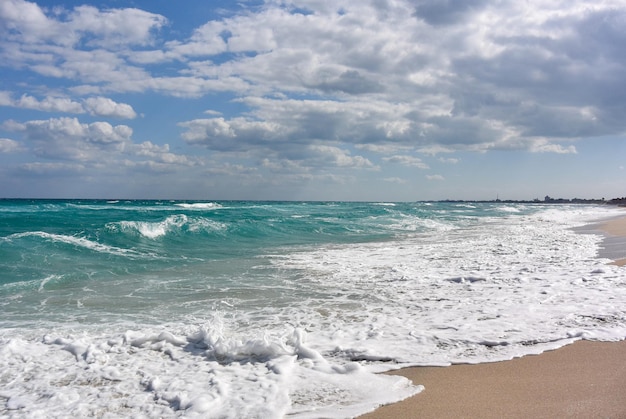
point(313, 99)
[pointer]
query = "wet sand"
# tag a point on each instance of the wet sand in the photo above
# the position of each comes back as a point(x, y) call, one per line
point(582, 380)
point(616, 229)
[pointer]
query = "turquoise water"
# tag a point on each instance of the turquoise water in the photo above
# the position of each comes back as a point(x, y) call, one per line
point(274, 309)
point(147, 259)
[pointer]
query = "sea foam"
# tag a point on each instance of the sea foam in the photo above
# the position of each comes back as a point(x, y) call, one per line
point(173, 224)
point(285, 309)
point(199, 205)
point(73, 241)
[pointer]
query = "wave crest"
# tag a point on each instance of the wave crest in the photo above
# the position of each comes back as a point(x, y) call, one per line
point(200, 205)
point(174, 224)
point(75, 241)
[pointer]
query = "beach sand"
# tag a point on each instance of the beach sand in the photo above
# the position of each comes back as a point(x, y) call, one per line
point(582, 380)
point(616, 228)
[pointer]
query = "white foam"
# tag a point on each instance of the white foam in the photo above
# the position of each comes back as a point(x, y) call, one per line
point(508, 209)
point(200, 205)
point(203, 374)
point(478, 291)
point(172, 224)
point(75, 241)
point(46, 280)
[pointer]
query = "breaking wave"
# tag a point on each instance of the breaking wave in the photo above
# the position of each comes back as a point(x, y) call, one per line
point(174, 224)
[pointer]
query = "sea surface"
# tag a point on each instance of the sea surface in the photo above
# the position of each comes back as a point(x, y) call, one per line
point(152, 309)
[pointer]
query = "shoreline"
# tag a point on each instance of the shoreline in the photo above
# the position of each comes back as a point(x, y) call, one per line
point(584, 379)
point(615, 242)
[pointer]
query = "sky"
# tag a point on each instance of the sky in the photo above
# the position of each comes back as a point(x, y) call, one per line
point(374, 100)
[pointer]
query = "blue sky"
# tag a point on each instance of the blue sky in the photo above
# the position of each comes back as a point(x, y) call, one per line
point(324, 100)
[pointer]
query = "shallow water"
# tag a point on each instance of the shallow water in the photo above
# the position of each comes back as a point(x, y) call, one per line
point(267, 309)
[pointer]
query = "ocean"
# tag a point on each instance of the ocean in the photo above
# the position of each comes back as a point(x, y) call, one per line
point(240, 309)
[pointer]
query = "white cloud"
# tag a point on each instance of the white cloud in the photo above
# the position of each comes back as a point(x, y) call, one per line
point(229, 169)
point(406, 161)
point(98, 106)
point(5, 98)
point(102, 106)
point(26, 22)
point(50, 104)
point(397, 180)
point(545, 147)
point(313, 90)
point(162, 154)
point(435, 177)
point(9, 146)
point(115, 27)
point(26, 19)
point(274, 122)
point(282, 166)
point(334, 156)
point(385, 148)
point(97, 145)
point(68, 139)
point(457, 109)
point(203, 130)
point(47, 104)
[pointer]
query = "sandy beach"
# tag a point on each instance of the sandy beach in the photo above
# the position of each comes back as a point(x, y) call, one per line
point(616, 228)
point(582, 380)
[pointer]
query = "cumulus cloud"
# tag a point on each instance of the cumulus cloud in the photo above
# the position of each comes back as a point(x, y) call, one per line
point(318, 84)
point(334, 156)
point(279, 121)
point(71, 144)
point(68, 139)
point(114, 27)
point(102, 106)
point(546, 147)
point(407, 161)
point(5, 98)
point(279, 136)
point(9, 146)
point(84, 44)
point(98, 106)
point(162, 154)
point(454, 75)
point(47, 104)
point(24, 21)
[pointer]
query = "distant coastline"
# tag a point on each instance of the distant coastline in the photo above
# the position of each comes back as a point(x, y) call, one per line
point(547, 200)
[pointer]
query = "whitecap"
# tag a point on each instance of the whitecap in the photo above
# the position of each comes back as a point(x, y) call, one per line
point(199, 205)
point(47, 279)
point(174, 224)
point(508, 209)
point(76, 241)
